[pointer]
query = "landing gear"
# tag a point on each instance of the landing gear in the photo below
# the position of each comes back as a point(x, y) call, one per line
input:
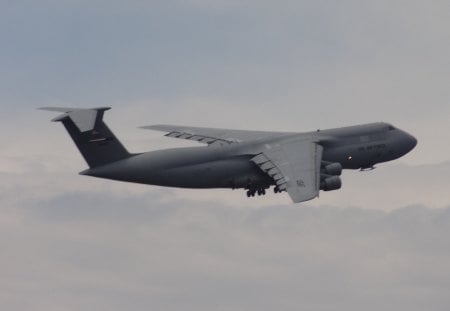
point(253, 191)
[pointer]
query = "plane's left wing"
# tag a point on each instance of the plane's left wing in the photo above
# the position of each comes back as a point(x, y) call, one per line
point(295, 167)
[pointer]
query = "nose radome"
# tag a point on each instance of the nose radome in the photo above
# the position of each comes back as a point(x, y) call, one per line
point(404, 143)
point(411, 141)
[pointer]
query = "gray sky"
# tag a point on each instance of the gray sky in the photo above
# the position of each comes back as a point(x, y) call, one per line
point(71, 242)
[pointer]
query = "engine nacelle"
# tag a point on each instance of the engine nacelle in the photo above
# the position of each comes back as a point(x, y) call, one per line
point(334, 169)
point(331, 183)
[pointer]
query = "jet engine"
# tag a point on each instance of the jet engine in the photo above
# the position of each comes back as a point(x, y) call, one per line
point(329, 177)
point(330, 183)
point(333, 169)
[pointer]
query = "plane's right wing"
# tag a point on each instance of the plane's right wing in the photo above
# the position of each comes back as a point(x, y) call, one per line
point(212, 135)
point(295, 167)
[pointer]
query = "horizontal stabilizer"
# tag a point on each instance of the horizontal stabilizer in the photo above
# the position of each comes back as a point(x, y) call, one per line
point(84, 119)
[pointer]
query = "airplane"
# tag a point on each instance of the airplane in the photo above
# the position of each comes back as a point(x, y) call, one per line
point(300, 164)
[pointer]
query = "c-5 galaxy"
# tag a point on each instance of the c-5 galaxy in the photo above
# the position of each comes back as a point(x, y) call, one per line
point(301, 164)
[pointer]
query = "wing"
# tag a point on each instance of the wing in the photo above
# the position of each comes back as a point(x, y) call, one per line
point(295, 167)
point(212, 135)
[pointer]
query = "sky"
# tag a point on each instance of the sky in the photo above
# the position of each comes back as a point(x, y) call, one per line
point(71, 242)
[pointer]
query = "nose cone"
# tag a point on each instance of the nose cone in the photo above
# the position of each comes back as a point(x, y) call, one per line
point(401, 144)
point(408, 142)
point(411, 142)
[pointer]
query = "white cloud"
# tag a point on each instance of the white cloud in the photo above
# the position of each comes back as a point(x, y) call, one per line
point(71, 242)
point(97, 250)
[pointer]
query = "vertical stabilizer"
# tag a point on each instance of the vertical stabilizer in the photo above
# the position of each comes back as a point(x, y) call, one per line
point(96, 142)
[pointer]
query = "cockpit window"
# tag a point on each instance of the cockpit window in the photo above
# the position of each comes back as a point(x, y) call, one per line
point(391, 128)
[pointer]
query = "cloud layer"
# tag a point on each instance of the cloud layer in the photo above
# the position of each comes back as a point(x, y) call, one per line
point(105, 251)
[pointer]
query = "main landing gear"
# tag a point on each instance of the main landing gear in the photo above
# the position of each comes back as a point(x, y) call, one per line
point(256, 191)
point(251, 192)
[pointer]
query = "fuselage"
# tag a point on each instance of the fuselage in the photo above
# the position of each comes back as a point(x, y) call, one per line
point(224, 165)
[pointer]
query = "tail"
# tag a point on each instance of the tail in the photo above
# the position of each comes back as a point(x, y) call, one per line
point(94, 139)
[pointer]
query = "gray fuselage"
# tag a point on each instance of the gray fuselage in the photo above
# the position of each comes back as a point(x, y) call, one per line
point(222, 165)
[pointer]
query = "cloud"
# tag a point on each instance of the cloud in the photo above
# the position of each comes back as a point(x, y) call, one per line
point(71, 242)
point(85, 250)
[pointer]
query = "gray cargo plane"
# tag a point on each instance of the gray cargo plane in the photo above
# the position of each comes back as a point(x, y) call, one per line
point(301, 164)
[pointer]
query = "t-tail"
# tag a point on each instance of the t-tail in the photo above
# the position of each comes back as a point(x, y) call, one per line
point(96, 142)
